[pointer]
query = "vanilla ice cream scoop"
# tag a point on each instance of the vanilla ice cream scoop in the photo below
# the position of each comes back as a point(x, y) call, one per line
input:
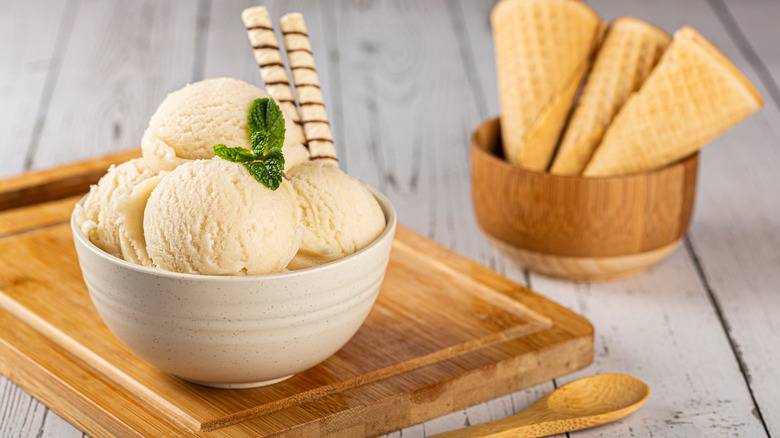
point(191, 121)
point(213, 217)
point(339, 214)
point(113, 210)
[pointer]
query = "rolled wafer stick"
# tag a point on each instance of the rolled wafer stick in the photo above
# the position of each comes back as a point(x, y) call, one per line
point(260, 31)
point(316, 126)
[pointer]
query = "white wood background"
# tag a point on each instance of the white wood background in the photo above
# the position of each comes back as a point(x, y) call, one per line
point(405, 83)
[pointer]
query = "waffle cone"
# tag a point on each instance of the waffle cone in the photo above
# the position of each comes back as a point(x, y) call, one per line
point(693, 95)
point(316, 126)
point(630, 50)
point(543, 48)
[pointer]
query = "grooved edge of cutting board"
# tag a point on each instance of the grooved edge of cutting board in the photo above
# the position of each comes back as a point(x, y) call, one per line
point(73, 381)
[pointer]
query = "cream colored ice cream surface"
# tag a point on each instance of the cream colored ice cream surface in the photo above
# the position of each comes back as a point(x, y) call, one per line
point(114, 208)
point(213, 217)
point(339, 215)
point(191, 121)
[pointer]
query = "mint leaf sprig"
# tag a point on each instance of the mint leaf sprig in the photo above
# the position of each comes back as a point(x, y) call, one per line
point(265, 161)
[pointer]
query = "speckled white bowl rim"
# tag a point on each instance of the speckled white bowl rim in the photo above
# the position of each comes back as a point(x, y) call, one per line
point(390, 225)
point(388, 233)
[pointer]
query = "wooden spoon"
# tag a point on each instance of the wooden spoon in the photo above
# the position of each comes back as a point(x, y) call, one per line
point(587, 402)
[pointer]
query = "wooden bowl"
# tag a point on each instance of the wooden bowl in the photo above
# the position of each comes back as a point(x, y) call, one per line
point(575, 227)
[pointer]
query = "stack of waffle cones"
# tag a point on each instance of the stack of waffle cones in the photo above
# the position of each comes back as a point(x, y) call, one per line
point(649, 99)
point(543, 49)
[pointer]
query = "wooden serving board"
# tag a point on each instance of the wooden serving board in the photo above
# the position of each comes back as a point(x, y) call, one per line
point(444, 334)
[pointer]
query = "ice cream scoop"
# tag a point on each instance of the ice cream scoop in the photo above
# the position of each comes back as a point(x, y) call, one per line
point(212, 217)
point(114, 208)
point(191, 121)
point(338, 213)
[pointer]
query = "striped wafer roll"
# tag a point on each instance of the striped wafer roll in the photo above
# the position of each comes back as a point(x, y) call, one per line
point(260, 30)
point(316, 127)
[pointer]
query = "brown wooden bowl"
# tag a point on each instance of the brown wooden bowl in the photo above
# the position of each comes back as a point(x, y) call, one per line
point(575, 227)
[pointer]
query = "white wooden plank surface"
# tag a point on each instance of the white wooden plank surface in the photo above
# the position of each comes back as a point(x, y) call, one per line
point(122, 59)
point(405, 83)
point(410, 113)
point(735, 229)
point(754, 24)
point(228, 52)
point(731, 166)
point(660, 327)
point(32, 34)
point(683, 354)
point(112, 62)
point(739, 240)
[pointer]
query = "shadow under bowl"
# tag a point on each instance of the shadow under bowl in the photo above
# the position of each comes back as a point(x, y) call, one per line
point(574, 227)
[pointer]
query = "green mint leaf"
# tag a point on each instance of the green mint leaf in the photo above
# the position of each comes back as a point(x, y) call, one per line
point(236, 155)
point(266, 135)
point(264, 175)
point(260, 143)
point(274, 162)
point(266, 116)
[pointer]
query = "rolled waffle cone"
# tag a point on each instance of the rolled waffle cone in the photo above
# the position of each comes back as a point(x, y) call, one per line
point(693, 95)
point(543, 50)
point(630, 50)
point(261, 35)
point(316, 126)
point(265, 47)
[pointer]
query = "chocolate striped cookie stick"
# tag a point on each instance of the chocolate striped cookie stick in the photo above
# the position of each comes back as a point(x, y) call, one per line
point(260, 30)
point(316, 127)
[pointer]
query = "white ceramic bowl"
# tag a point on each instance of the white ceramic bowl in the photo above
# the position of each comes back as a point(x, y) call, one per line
point(236, 331)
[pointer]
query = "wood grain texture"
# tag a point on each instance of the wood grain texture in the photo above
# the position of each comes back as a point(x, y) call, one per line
point(405, 90)
point(457, 67)
point(228, 52)
point(576, 216)
point(733, 235)
point(122, 60)
point(677, 323)
point(738, 237)
point(689, 403)
point(581, 404)
point(574, 227)
point(410, 334)
point(584, 268)
point(623, 310)
point(749, 25)
point(444, 324)
point(58, 182)
point(32, 34)
point(66, 69)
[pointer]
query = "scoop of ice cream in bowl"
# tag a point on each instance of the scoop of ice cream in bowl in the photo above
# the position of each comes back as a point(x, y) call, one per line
point(191, 267)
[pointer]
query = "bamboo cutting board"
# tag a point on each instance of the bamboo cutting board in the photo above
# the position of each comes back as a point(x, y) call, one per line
point(444, 334)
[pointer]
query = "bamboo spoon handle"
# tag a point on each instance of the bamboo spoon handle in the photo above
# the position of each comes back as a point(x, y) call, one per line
point(537, 421)
point(522, 427)
point(531, 422)
point(584, 403)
